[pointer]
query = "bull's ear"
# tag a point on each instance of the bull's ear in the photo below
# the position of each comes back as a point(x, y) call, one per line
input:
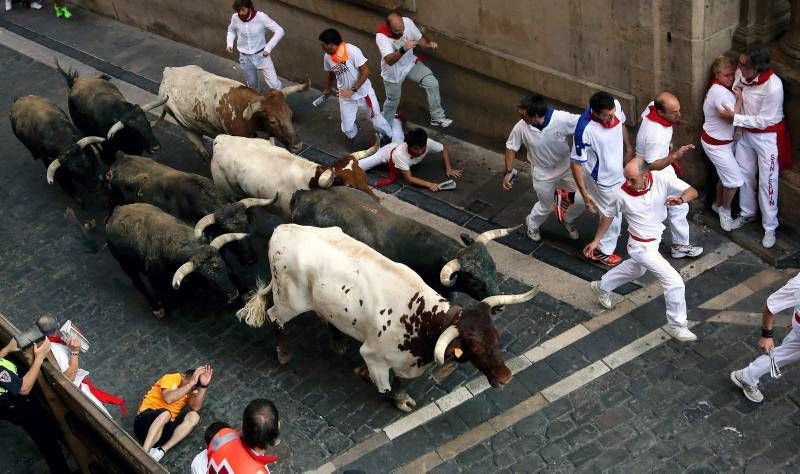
point(251, 109)
point(467, 239)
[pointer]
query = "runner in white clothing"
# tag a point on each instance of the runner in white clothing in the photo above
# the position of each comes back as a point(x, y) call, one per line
point(643, 199)
point(544, 133)
point(716, 136)
point(653, 144)
point(248, 28)
point(774, 357)
point(347, 68)
point(765, 147)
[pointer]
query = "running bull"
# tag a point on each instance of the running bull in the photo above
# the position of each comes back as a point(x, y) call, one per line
point(251, 167)
point(403, 324)
point(205, 104)
point(146, 240)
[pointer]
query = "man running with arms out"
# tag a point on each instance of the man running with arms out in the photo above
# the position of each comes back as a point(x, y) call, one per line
point(643, 199)
point(248, 28)
point(600, 146)
point(653, 143)
point(544, 133)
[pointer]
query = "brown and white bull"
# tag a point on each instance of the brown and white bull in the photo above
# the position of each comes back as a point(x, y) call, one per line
point(252, 167)
point(205, 104)
point(402, 323)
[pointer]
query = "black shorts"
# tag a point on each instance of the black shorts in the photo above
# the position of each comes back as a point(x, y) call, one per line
point(143, 421)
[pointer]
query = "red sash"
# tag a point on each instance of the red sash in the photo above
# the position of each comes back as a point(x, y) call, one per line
point(393, 174)
point(711, 140)
point(785, 161)
point(639, 239)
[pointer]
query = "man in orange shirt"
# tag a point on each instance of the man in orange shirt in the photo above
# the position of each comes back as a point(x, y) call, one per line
point(158, 425)
point(246, 451)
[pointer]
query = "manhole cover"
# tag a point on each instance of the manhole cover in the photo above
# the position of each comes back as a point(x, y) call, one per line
point(477, 206)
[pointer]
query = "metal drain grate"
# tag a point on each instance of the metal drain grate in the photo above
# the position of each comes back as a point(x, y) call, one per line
point(477, 206)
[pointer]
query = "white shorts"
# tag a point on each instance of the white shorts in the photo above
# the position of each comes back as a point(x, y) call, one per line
point(730, 175)
point(605, 198)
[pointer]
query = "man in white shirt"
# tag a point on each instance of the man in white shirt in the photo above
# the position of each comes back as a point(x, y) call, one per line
point(347, 68)
point(643, 199)
point(600, 146)
point(396, 38)
point(765, 147)
point(402, 156)
point(787, 353)
point(653, 144)
point(248, 28)
point(716, 137)
point(544, 133)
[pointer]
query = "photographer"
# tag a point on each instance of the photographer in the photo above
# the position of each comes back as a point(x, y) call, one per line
point(17, 407)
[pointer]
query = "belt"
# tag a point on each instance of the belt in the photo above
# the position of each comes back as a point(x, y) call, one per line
point(639, 239)
point(711, 140)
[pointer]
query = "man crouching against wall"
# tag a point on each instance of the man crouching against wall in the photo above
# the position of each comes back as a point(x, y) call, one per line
point(158, 425)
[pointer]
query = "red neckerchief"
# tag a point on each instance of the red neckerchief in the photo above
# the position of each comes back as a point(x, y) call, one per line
point(653, 115)
point(760, 78)
point(259, 458)
point(252, 15)
point(611, 123)
point(384, 29)
point(715, 81)
point(634, 192)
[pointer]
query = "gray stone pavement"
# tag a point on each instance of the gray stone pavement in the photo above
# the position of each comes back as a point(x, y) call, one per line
point(670, 409)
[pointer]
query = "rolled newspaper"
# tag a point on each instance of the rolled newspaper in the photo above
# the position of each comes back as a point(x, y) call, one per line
point(70, 330)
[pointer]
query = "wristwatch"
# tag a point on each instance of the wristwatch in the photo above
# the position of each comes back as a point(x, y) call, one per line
point(354, 89)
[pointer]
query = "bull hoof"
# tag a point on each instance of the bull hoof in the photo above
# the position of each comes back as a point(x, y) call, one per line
point(89, 225)
point(339, 346)
point(283, 357)
point(404, 402)
point(159, 313)
point(363, 372)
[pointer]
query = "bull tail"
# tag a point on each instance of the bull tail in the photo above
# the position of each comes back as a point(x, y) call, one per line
point(254, 312)
point(69, 76)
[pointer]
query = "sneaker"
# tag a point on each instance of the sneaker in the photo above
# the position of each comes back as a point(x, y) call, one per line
point(561, 202)
point(728, 224)
point(66, 12)
point(36, 5)
point(687, 250)
point(59, 13)
point(681, 333)
point(156, 454)
point(609, 260)
point(603, 297)
point(715, 208)
point(534, 234)
point(571, 230)
point(8, 5)
point(443, 122)
point(750, 391)
point(769, 239)
point(747, 219)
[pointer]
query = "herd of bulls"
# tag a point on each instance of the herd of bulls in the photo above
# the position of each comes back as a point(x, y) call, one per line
point(381, 278)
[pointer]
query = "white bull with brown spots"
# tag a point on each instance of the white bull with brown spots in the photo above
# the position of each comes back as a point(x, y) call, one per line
point(402, 323)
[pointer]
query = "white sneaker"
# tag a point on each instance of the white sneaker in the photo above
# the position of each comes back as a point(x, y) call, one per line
point(687, 250)
point(156, 453)
point(534, 234)
point(769, 239)
point(38, 6)
point(443, 122)
point(750, 391)
point(571, 230)
point(725, 221)
point(715, 208)
point(603, 297)
point(8, 5)
point(680, 333)
point(746, 219)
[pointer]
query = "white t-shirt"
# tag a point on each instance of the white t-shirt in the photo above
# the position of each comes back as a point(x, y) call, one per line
point(386, 45)
point(762, 105)
point(61, 353)
point(249, 35)
point(714, 125)
point(200, 463)
point(600, 149)
point(646, 213)
point(788, 296)
point(548, 150)
point(653, 139)
point(347, 72)
point(403, 161)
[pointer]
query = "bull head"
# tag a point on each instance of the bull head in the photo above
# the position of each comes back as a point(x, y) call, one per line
point(209, 264)
point(271, 115)
point(239, 211)
point(136, 121)
point(75, 161)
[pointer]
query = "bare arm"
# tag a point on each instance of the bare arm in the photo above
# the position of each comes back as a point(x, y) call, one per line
point(448, 167)
point(363, 75)
point(197, 398)
point(329, 83)
point(626, 140)
point(411, 179)
point(577, 173)
point(602, 227)
point(29, 379)
point(662, 163)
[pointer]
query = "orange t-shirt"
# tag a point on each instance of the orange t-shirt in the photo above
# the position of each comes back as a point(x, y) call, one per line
point(154, 400)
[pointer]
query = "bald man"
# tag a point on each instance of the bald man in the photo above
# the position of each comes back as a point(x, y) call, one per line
point(653, 145)
point(396, 38)
point(644, 199)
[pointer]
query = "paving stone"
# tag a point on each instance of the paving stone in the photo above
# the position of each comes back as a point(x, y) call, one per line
point(560, 427)
point(582, 435)
point(694, 455)
point(618, 435)
point(553, 451)
point(503, 458)
point(585, 453)
point(610, 458)
point(530, 463)
point(612, 417)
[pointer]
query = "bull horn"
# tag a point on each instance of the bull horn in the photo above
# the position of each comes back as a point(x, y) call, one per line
point(156, 103)
point(325, 180)
point(449, 335)
point(181, 273)
point(251, 109)
point(51, 170)
point(446, 275)
point(201, 225)
point(371, 151)
point(252, 202)
point(499, 300)
point(225, 239)
point(254, 312)
point(495, 234)
point(114, 129)
point(86, 141)
point(296, 88)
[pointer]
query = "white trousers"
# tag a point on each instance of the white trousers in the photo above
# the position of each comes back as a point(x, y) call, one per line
point(606, 200)
point(644, 256)
point(787, 353)
point(544, 206)
point(252, 63)
point(757, 155)
point(383, 154)
point(348, 110)
point(677, 216)
point(724, 161)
